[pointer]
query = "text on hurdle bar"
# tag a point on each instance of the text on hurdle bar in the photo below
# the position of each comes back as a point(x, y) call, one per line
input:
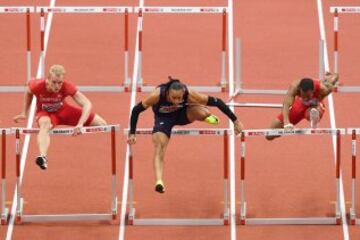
point(87, 9)
point(186, 131)
point(180, 10)
point(296, 131)
point(69, 131)
point(17, 9)
point(345, 9)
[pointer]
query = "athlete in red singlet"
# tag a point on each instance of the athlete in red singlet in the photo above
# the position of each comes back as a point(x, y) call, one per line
point(52, 110)
point(304, 98)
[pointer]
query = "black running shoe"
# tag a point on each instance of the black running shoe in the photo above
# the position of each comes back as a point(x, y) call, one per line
point(160, 188)
point(41, 161)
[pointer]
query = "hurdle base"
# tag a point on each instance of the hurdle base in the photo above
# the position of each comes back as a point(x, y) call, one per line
point(131, 220)
point(209, 89)
point(291, 221)
point(260, 91)
point(353, 219)
point(348, 89)
point(5, 216)
point(66, 218)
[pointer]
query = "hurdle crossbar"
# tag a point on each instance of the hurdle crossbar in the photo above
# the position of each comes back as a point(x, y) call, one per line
point(21, 217)
point(141, 87)
point(88, 88)
point(354, 219)
point(256, 105)
point(224, 220)
point(91, 10)
point(294, 220)
point(4, 209)
point(336, 10)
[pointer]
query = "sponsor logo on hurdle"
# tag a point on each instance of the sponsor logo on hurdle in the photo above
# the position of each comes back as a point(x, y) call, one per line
point(108, 9)
point(60, 131)
point(14, 10)
point(154, 10)
point(84, 10)
point(351, 10)
point(55, 10)
point(209, 10)
point(98, 129)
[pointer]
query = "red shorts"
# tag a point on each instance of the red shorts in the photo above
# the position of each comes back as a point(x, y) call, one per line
point(298, 112)
point(67, 115)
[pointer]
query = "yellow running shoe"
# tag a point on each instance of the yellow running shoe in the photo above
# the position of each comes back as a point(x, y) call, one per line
point(159, 186)
point(212, 119)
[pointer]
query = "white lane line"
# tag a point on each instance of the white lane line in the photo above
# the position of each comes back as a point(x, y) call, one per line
point(232, 137)
point(24, 152)
point(332, 120)
point(132, 104)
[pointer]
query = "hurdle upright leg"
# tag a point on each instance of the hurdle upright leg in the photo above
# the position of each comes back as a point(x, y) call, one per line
point(4, 210)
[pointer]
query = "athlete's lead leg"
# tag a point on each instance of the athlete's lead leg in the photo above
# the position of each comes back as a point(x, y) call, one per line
point(160, 141)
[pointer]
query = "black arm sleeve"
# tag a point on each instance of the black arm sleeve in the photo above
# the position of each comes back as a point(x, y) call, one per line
point(217, 102)
point(135, 116)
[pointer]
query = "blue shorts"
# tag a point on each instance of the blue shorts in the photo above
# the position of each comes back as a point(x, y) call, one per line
point(165, 122)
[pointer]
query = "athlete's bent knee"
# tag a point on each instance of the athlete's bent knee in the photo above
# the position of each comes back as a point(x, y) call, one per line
point(45, 123)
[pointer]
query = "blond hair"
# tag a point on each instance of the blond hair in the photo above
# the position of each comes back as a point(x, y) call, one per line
point(56, 70)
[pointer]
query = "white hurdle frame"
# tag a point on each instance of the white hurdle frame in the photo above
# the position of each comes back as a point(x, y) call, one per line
point(21, 217)
point(141, 87)
point(354, 219)
point(4, 209)
point(290, 221)
point(238, 81)
point(336, 11)
point(132, 220)
point(91, 10)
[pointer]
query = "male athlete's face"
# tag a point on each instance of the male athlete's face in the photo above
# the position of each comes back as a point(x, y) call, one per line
point(176, 96)
point(54, 83)
point(306, 95)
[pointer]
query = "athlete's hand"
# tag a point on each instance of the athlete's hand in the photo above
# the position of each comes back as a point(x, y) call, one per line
point(131, 139)
point(238, 127)
point(288, 127)
point(77, 130)
point(20, 117)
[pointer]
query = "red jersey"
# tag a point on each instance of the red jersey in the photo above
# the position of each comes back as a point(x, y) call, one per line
point(49, 101)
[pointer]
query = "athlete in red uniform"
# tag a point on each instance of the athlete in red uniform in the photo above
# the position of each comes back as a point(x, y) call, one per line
point(52, 110)
point(304, 101)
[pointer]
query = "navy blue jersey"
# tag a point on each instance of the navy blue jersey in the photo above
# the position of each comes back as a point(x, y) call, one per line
point(166, 108)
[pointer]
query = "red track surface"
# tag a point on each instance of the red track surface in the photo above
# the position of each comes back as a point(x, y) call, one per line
point(285, 178)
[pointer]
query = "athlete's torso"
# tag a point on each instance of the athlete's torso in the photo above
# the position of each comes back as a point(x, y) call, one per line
point(166, 107)
point(49, 101)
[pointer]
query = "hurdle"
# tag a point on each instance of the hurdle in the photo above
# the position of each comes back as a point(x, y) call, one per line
point(244, 220)
point(141, 86)
point(24, 218)
point(27, 11)
point(336, 11)
point(224, 220)
point(4, 209)
point(90, 10)
point(353, 216)
point(238, 79)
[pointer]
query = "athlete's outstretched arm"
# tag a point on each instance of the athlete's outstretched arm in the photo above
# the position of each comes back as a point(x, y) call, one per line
point(329, 83)
point(28, 96)
point(195, 97)
point(86, 105)
point(147, 102)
